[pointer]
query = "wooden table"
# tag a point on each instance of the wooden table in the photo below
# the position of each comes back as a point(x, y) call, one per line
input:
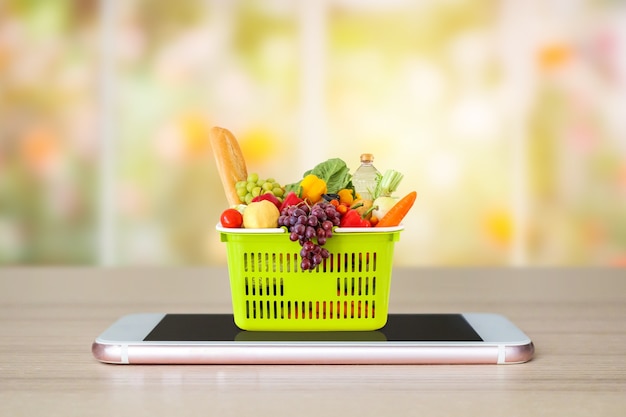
point(50, 316)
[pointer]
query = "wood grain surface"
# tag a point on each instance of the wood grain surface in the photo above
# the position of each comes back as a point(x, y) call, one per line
point(50, 316)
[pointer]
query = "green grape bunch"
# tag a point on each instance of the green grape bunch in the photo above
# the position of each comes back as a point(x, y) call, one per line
point(253, 186)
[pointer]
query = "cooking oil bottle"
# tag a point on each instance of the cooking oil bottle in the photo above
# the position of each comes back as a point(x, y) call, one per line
point(364, 178)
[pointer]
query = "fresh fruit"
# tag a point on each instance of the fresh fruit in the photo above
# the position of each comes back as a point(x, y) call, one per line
point(269, 197)
point(231, 218)
point(310, 227)
point(260, 215)
point(253, 187)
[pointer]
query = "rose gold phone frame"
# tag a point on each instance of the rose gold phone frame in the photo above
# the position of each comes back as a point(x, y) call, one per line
point(271, 353)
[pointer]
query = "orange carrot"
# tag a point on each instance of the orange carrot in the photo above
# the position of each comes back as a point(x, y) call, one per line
point(397, 212)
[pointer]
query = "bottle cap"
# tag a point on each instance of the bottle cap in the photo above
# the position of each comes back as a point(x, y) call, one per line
point(367, 157)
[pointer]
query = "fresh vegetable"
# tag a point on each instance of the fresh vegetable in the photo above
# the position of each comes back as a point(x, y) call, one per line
point(330, 197)
point(340, 207)
point(269, 197)
point(231, 218)
point(312, 188)
point(387, 183)
point(260, 215)
point(334, 172)
point(291, 199)
point(395, 215)
point(353, 219)
point(328, 183)
point(346, 196)
point(382, 205)
point(364, 207)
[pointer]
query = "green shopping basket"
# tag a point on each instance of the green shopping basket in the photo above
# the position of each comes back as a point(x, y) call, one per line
point(348, 291)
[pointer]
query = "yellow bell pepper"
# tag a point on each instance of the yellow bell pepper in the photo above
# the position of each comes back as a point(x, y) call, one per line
point(346, 197)
point(312, 188)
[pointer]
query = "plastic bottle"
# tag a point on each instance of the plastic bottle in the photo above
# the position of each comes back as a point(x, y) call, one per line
point(364, 178)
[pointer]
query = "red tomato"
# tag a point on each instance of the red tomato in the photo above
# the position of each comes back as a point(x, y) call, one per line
point(231, 218)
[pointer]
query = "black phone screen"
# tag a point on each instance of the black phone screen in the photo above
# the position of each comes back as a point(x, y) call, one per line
point(399, 327)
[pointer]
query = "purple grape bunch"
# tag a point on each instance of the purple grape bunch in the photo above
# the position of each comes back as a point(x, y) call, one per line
point(311, 227)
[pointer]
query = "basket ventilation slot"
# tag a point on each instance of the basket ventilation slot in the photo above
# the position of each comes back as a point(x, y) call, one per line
point(347, 287)
point(290, 262)
point(310, 310)
point(264, 286)
point(356, 286)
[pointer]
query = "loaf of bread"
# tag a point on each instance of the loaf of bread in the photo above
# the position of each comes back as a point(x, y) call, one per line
point(229, 160)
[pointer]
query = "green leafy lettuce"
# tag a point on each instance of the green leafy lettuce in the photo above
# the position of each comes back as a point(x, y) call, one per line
point(334, 171)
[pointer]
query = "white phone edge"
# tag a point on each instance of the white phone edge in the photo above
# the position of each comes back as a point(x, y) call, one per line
point(503, 343)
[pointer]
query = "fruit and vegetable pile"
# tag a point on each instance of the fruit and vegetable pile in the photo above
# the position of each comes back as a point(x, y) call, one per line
point(311, 208)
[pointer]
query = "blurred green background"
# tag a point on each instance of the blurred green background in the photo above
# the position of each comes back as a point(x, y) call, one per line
point(507, 117)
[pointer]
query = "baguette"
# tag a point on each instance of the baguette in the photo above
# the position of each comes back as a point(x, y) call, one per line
point(230, 162)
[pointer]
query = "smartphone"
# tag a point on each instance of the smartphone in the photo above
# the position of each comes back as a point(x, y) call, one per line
point(464, 338)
